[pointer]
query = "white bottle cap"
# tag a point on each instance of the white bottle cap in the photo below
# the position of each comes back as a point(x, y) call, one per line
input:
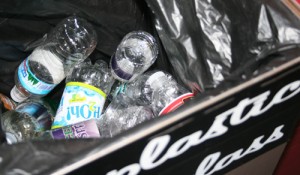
point(16, 95)
point(155, 76)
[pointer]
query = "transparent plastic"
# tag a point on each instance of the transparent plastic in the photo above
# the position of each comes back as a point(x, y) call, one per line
point(157, 89)
point(71, 41)
point(137, 51)
point(85, 93)
point(122, 114)
point(142, 89)
point(27, 120)
point(98, 75)
point(168, 98)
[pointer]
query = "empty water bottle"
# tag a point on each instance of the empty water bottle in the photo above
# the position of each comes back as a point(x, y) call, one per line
point(142, 89)
point(27, 120)
point(122, 114)
point(85, 93)
point(135, 54)
point(71, 41)
point(159, 90)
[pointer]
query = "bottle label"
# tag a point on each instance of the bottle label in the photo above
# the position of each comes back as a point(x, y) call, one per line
point(79, 102)
point(30, 82)
point(175, 103)
point(119, 71)
point(42, 116)
point(86, 129)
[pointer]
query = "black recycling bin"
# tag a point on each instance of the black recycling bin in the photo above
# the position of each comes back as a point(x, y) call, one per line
point(244, 107)
point(210, 137)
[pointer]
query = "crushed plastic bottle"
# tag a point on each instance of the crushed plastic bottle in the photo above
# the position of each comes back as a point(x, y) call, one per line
point(141, 89)
point(135, 54)
point(85, 93)
point(71, 41)
point(159, 90)
point(117, 88)
point(27, 120)
point(122, 114)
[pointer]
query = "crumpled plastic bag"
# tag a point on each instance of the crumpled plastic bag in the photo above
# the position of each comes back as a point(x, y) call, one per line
point(207, 40)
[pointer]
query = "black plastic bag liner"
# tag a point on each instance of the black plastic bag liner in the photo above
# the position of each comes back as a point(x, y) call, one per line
point(207, 40)
point(23, 23)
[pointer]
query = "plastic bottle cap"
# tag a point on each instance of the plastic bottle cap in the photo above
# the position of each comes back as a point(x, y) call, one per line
point(155, 76)
point(11, 138)
point(16, 95)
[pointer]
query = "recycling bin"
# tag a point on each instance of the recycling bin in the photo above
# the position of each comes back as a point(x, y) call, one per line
point(254, 112)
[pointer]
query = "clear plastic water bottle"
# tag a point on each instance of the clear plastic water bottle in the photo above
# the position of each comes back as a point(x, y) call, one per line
point(85, 93)
point(71, 41)
point(27, 120)
point(122, 114)
point(142, 89)
point(159, 90)
point(137, 51)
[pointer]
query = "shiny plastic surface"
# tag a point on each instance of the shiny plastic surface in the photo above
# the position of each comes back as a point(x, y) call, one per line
point(207, 40)
point(122, 114)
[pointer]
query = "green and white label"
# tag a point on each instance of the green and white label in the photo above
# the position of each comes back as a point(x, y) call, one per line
point(30, 82)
